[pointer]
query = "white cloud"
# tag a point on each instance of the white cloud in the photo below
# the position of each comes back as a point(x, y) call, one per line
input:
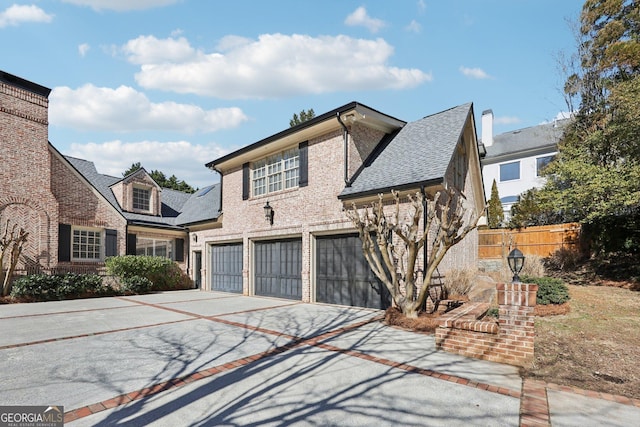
point(274, 65)
point(183, 159)
point(507, 120)
point(474, 73)
point(121, 5)
point(150, 50)
point(414, 27)
point(422, 7)
point(359, 17)
point(83, 49)
point(17, 14)
point(124, 109)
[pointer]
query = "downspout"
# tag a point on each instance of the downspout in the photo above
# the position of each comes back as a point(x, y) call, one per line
point(425, 247)
point(221, 188)
point(345, 138)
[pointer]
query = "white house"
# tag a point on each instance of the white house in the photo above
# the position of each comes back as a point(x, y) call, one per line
point(516, 158)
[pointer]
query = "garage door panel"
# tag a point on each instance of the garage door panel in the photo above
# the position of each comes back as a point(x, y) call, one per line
point(278, 269)
point(343, 275)
point(226, 268)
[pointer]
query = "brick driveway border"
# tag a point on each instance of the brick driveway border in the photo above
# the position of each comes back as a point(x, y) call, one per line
point(203, 358)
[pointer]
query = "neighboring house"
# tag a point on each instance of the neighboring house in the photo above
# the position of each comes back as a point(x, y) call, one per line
point(284, 232)
point(516, 158)
point(75, 216)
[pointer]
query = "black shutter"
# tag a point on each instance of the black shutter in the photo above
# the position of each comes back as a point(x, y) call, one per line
point(246, 182)
point(131, 244)
point(303, 175)
point(179, 250)
point(111, 243)
point(64, 242)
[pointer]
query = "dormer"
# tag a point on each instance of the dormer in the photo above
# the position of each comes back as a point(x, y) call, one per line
point(138, 193)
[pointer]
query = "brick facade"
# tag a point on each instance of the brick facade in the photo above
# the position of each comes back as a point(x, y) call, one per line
point(313, 210)
point(509, 340)
point(39, 190)
point(26, 198)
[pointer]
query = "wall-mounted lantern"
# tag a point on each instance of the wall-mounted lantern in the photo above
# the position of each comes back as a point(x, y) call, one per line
point(268, 213)
point(516, 262)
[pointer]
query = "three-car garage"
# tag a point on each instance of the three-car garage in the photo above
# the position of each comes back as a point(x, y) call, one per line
point(340, 273)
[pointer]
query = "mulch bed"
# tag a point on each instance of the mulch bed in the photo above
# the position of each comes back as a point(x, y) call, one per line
point(426, 322)
point(551, 309)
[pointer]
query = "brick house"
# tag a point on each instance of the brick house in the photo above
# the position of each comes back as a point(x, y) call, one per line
point(283, 231)
point(76, 216)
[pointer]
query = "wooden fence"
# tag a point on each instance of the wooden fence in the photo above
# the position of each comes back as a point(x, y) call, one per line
point(543, 240)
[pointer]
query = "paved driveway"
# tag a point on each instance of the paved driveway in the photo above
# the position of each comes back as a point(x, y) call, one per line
point(207, 358)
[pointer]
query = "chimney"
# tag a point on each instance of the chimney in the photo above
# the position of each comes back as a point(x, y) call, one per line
point(487, 128)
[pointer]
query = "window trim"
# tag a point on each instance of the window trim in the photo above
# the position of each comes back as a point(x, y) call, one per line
point(551, 157)
point(100, 244)
point(149, 190)
point(276, 173)
point(507, 164)
point(171, 246)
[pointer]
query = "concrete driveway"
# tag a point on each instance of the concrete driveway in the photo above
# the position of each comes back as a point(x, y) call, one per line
point(206, 358)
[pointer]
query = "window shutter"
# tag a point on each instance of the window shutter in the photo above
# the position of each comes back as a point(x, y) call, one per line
point(131, 244)
point(179, 250)
point(246, 181)
point(111, 243)
point(303, 173)
point(64, 242)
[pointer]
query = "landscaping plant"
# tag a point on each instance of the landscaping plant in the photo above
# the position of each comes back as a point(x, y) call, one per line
point(392, 244)
point(163, 273)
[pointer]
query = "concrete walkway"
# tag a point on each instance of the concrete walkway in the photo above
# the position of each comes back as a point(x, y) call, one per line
point(207, 358)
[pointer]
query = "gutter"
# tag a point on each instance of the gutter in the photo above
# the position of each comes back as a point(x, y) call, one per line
point(345, 139)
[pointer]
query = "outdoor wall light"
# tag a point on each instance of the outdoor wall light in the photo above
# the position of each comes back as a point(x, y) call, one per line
point(194, 237)
point(516, 262)
point(268, 213)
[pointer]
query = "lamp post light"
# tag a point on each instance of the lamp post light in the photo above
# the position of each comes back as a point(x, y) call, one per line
point(268, 213)
point(516, 262)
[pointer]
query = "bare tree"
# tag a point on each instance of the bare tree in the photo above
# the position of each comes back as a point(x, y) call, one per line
point(11, 244)
point(392, 244)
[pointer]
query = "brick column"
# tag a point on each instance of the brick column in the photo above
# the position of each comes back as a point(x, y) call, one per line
point(516, 320)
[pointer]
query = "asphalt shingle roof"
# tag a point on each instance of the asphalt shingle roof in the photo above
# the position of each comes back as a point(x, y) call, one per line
point(177, 208)
point(544, 135)
point(419, 153)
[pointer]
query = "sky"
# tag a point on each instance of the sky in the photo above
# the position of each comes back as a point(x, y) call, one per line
point(175, 84)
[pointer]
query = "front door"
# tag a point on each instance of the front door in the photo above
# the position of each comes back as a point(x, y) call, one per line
point(197, 270)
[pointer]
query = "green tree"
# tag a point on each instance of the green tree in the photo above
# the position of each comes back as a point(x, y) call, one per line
point(302, 117)
point(134, 167)
point(594, 179)
point(495, 214)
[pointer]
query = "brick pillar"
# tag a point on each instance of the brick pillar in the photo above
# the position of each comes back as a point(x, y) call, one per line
point(516, 320)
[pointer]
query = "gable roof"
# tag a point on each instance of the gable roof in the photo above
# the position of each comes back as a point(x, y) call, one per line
point(178, 209)
point(419, 154)
point(528, 141)
point(307, 130)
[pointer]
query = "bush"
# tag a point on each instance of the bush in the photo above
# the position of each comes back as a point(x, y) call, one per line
point(43, 287)
point(163, 273)
point(460, 281)
point(135, 285)
point(550, 290)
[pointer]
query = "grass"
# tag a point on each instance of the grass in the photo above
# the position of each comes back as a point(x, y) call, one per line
point(595, 346)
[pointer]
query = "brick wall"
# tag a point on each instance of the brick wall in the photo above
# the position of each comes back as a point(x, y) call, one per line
point(509, 340)
point(25, 166)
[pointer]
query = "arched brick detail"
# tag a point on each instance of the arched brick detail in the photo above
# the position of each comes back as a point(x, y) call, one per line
point(35, 219)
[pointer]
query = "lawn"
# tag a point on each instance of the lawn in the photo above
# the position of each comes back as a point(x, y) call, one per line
point(596, 346)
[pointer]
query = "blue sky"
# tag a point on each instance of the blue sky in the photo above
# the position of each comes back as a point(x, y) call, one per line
point(174, 84)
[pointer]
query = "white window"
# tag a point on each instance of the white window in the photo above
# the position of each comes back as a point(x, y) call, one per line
point(542, 162)
point(275, 173)
point(141, 198)
point(510, 171)
point(154, 247)
point(86, 244)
